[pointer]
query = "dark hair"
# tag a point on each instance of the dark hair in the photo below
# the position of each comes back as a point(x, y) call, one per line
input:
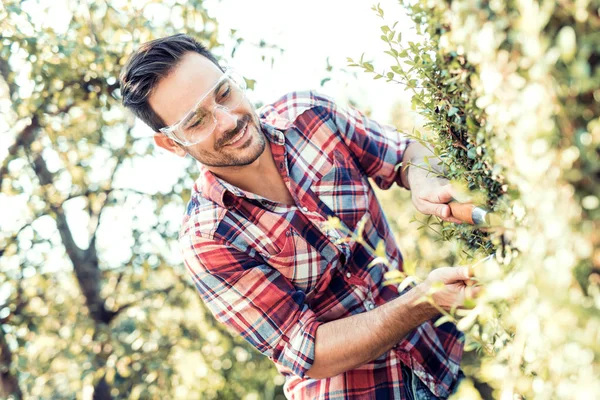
point(151, 62)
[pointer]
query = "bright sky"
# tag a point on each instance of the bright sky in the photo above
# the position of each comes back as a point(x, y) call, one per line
point(310, 32)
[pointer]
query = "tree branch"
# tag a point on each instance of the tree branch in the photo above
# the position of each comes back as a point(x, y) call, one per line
point(145, 295)
point(24, 139)
point(92, 244)
point(85, 264)
point(5, 72)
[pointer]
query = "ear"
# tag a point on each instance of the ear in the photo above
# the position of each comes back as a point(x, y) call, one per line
point(169, 144)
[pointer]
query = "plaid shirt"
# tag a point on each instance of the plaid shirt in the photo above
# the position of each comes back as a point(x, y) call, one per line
point(273, 272)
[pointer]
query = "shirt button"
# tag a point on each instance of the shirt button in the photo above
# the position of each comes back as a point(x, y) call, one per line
point(348, 274)
point(370, 305)
point(305, 209)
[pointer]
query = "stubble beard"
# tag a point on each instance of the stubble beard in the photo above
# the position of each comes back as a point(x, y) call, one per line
point(225, 156)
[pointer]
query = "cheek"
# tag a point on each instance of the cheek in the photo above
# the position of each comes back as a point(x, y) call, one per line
point(205, 148)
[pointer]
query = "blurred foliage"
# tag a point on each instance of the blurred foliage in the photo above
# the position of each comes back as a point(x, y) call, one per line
point(510, 95)
point(94, 300)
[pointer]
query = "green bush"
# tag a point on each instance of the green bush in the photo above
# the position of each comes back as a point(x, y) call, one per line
point(510, 92)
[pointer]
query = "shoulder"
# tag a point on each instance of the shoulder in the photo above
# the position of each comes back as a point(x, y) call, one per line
point(293, 104)
point(213, 227)
point(202, 217)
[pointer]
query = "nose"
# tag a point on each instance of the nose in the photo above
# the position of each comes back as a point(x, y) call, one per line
point(225, 119)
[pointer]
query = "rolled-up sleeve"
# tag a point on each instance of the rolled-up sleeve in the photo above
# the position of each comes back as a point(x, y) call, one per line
point(379, 148)
point(254, 300)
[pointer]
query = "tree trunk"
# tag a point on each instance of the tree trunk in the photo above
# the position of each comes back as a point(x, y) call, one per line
point(9, 384)
point(102, 390)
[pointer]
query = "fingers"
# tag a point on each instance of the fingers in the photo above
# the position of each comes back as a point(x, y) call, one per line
point(471, 294)
point(453, 220)
point(442, 211)
point(465, 272)
point(435, 203)
point(439, 210)
point(449, 275)
point(476, 291)
point(443, 194)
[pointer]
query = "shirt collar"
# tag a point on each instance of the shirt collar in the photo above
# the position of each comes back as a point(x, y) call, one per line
point(274, 125)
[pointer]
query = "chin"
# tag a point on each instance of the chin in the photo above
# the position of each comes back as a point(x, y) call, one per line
point(255, 144)
point(249, 151)
point(245, 154)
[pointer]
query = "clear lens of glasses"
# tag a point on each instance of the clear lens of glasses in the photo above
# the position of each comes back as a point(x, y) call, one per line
point(201, 122)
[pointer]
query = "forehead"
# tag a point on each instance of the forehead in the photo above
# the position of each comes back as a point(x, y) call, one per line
point(178, 92)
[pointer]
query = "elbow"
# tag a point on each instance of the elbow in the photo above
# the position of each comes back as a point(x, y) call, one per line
point(314, 374)
point(319, 373)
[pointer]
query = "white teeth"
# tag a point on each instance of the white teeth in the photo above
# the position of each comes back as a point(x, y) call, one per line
point(238, 136)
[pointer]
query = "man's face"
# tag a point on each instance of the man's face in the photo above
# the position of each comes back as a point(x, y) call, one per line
point(178, 93)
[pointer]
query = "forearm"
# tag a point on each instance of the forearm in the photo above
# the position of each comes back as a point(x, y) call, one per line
point(415, 155)
point(347, 343)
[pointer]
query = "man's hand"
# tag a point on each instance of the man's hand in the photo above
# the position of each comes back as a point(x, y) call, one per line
point(458, 286)
point(431, 193)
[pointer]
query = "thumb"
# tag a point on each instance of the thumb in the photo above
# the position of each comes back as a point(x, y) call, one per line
point(436, 201)
point(439, 210)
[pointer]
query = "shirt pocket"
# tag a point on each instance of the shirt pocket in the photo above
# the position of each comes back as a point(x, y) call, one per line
point(299, 262)
point(344, 190)
point(256, 239)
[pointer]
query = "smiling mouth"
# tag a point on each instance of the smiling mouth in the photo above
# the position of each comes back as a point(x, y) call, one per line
point(237, 137)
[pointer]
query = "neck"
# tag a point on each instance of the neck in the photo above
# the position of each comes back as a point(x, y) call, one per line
point(261, 178)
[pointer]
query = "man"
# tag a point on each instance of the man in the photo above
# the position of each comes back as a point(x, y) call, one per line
point(254, 237)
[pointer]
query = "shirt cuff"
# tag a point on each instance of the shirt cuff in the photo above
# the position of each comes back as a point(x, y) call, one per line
point(298, 355)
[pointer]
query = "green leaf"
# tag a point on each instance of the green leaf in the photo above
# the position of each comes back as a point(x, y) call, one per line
point(250, 83)
point(324, 81)
point(472, 153)
point(442, 320)
point(410, 267)
point(452, 111)
point(471, 123)
point(378, 260)
point(380, 249)
point(360, 227)
point(406, 282)
point(332, 223)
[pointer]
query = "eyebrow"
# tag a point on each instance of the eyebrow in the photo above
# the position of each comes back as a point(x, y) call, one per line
point(214, 94)
point(224, 81)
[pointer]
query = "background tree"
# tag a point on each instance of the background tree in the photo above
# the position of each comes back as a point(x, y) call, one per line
point(92, 300)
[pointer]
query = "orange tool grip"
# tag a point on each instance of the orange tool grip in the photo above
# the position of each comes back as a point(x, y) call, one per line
point(462, 211)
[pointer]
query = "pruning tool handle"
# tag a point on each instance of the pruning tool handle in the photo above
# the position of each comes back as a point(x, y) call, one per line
point(474, 215)
point(462, 211)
